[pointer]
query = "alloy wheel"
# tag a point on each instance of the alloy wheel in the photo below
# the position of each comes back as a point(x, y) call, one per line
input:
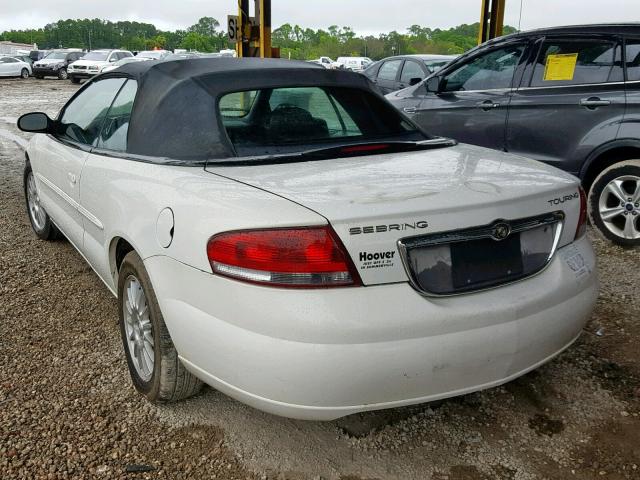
point(619, 206)
point(138, 328)
point(37, 213)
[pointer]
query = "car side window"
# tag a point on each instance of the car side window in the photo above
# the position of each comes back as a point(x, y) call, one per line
point(489, 71)
point(389, 70)
point(574, 62)
point(633, 60)
point(411, 70)
point(8, 60)
point(116, 123)
point(81, 120)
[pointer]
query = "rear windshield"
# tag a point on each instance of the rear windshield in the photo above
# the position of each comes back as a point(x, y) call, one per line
point(299, 118)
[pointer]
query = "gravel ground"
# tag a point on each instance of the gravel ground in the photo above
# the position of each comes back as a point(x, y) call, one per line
point(67, 409)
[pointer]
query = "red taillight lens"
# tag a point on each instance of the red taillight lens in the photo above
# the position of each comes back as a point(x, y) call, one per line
point(305, 257)
point(582, 220)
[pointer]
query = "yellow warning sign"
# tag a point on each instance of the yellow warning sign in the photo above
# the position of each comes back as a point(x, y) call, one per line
point(560, 67)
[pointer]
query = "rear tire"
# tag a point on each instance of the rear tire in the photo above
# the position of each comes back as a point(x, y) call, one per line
point(62, 74)
point(614, 203)
point(24, 73)
point(152, 359)
point(38, 217)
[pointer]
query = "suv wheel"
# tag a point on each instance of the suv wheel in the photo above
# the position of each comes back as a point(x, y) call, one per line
point(62, 74)
point(152, 359)
point(75, 80)
point(614, 203)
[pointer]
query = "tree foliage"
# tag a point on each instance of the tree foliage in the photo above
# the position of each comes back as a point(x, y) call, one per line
point(341, 41)
point(95, 33)
point(207, 36)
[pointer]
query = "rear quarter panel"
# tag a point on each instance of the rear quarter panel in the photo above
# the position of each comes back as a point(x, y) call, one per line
point(126, 198)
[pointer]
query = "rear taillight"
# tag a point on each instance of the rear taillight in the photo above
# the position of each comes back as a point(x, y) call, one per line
point(303, 257)
point(582, 220)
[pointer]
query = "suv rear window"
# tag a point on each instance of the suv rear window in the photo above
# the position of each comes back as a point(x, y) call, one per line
point(261, 120)
point(575, 62)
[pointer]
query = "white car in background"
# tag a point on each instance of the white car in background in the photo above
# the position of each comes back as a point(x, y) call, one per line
point(153, 54)
point(284, 234)
point(94, 62)
point(326, 62)
point(126, 60)
point(12, 67)
point(355, 64)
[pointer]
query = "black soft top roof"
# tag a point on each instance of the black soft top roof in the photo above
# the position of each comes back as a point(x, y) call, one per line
point(174, 114)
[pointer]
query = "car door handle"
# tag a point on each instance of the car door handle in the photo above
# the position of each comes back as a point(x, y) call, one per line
point(487, 105)
point(594, 102)
point(72, 178)
point(410, 109)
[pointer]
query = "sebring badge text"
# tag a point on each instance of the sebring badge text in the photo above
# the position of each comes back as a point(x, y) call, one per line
point(389, 228)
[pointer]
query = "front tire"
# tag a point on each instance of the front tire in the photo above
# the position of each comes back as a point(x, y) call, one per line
point(40, 220)
point(75, 80)
point(614, 203)
point(62, 74)
point(152, 359)
point(24, 73)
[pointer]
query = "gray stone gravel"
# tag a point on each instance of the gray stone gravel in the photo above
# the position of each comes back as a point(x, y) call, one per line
point(67, 409)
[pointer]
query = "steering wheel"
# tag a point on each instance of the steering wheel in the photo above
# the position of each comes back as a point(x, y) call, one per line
point(75, 132)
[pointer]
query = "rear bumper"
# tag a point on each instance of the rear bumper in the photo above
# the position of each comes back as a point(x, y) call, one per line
point(323, 354)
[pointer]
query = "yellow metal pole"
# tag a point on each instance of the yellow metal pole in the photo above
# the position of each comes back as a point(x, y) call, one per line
point(484, 20)
point(265, 28)
point(497, 18)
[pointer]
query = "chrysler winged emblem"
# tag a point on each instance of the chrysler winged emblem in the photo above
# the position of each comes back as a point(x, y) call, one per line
point(500, 231)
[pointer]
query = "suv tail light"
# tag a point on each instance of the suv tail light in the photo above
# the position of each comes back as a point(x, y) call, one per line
point(302, 257)
point(582, 219)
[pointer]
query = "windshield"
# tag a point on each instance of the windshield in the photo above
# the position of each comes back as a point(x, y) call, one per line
point(263, 121)
point(56, 56)
point(98, 56)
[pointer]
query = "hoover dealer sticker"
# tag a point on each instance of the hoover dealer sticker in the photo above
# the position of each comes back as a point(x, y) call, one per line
point(370, 260)
point(575, 261)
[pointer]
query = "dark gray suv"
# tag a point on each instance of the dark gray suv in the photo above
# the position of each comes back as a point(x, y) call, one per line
point(568, 96)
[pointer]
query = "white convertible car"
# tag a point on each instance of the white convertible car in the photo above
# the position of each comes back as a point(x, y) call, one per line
point(280, 232)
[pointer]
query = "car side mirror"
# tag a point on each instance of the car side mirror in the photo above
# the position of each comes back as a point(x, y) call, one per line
point(414, 81)
point(434, 84)
point(35, 122)
point(112, 59)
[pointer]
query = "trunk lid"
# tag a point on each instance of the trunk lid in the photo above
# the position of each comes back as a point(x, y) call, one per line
point(374, 201)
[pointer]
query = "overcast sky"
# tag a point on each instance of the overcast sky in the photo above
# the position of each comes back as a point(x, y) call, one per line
point(365, 16)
